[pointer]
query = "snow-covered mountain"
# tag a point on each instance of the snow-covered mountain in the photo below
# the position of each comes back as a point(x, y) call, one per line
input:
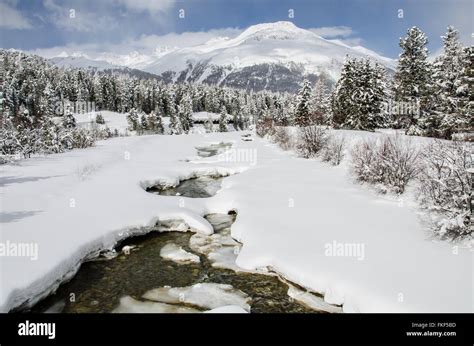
point(82, 61)
point(78, 60)
point(274, 56)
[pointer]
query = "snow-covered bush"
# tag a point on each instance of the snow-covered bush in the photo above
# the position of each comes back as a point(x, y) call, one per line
point(390, 161)
point(334, 150)
point(82, 138)
point(311, 140)
point(282, 137)
point(9, 143)
point(99, 119)
point(445, 186)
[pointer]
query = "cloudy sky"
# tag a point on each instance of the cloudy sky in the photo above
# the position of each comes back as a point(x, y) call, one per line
point(49, 27)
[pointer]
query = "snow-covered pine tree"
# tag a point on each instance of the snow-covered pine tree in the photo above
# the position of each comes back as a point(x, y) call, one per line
point(159, 128)
point(320, 101)
point(449, 75)
point(9, 143)
point(465, 90)
point(412, 80)
point(175, 123)
point(143, 126)
point(69, 121)
point(49, 102)
point(99, 119)
point(50, 134)
point(341, 98)
point(245, 116)
point(185, 111)
point(151, 121)
point(357, 102)
point(132, 119)
point(303, 112)
point(223, 120)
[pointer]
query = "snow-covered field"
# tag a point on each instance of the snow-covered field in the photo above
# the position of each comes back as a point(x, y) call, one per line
point(113, 120)
point(118, 121)
point(302, 218)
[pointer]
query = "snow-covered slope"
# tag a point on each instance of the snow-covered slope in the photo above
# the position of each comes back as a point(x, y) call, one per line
point(271, 55)
point(82, 61)
point(78, 60)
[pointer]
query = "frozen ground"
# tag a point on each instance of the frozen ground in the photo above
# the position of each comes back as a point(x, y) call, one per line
point(291, 213)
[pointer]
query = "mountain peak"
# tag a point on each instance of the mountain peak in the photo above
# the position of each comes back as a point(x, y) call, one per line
point(282, 30)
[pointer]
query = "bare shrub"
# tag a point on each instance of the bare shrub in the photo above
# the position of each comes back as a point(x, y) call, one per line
point(264, 127)
point(311, 140)
point(334, 150)
point(282, 137)
point(364, 161)
point(445, 186)
point(390, 161)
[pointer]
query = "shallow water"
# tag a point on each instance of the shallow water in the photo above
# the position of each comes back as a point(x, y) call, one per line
point(99, 285)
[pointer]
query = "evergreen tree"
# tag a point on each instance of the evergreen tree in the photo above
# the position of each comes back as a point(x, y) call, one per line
point(223, 120)
point(99, 119)
point(9, 143)
point(465, 90)
point(69, 121)
point(132, 119)
point(159, 128)
point(175, 123)
point(319, 104)
point(357, 101)
point(412, 80)
point(303, 112)
point(51, 139)
point(185, 110)
point(449, 76)
point(143, 126)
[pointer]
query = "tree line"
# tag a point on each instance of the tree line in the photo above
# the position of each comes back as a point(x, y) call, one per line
point(425, 98)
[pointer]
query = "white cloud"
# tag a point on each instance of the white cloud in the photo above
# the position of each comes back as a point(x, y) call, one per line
point(151, 6)
point(132, 53)
point(11, 18)
point(333, 31)
point(351, 42)
point(339, 34)
point(76, 19)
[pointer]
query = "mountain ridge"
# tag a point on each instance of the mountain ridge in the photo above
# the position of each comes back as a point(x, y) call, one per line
point(275, 56)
